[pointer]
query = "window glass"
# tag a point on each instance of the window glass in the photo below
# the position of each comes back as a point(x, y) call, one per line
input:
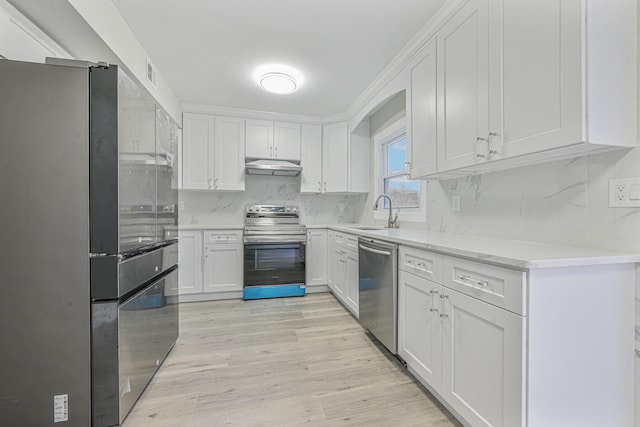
point(404, 192)
point(396, 154)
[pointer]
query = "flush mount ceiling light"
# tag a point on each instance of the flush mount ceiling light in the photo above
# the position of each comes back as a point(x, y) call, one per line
point(279, 83)
point(278, 79)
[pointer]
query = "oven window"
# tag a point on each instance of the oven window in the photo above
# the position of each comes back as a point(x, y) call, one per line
point(274, 264)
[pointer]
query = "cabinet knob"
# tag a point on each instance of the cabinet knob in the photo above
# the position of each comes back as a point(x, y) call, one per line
point(443, 296)
point(443, 316)
point(433, 310)
point(433, 291)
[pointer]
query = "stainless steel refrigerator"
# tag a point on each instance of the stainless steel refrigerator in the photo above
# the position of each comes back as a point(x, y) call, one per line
point(88, 274)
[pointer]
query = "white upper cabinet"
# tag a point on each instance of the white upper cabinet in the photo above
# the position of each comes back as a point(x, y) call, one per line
point(311, 159)
point(536, 80)
point(335, 146)
point(346, 158)
point(197, 151)
point(213, 153)
point(463, 86)
point(286, 141)
point(421, 109)
point(269, 140)
point(259, 142)
point(523, 82)
point(229, 154)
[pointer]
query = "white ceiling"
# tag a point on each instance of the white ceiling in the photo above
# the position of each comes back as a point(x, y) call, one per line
point(207, 49)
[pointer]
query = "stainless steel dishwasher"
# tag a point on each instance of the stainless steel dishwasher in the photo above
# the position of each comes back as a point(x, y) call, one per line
point(378, 290)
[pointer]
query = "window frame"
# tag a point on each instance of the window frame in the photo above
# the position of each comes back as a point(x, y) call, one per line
point(382, 138)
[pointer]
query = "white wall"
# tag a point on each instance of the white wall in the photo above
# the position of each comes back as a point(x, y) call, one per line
point(228, 208)
point(94, 30)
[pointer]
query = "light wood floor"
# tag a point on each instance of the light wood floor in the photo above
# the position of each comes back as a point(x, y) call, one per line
point(281, 362)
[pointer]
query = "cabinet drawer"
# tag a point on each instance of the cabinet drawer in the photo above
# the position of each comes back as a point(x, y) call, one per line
point(427, 265)
point(223, 236)
point(351, 242)
point(502, 287)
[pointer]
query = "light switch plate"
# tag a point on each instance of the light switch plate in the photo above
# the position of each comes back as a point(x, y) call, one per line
point(624, 193)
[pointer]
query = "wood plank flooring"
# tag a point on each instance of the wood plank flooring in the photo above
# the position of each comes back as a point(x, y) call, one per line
point(281, 362)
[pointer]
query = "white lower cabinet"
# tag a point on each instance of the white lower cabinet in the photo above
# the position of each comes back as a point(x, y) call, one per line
point(352, 281)
point(190, 262)
point(482, 365)
point(506, 347)
point(211, 264)
point(316, 258)
point(468, 351)
point(420, 327)
point(223, 267)
point(339, 272)
point(343, 274)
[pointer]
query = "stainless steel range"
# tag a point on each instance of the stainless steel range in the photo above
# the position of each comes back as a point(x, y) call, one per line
point(274, 252)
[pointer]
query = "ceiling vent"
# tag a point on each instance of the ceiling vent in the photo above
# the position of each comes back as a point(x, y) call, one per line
point(152, 76)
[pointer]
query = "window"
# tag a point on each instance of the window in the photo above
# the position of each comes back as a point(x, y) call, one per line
point(404, 192)
point(407, 195)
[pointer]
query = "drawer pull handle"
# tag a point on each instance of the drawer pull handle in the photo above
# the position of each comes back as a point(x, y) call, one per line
point(433, 291)
point(443, 296)
point(444, 316)
point(433, 309)
point(483, 283)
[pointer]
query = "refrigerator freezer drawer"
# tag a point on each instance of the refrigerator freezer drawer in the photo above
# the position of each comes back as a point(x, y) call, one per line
point(129, 342)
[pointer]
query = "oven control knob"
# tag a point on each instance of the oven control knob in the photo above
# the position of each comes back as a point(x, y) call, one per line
point(294, 210)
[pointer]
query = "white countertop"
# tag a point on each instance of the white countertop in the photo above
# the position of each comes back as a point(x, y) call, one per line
point(511, 253)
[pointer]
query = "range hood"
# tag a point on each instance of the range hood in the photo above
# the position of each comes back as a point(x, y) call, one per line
point(272, 167)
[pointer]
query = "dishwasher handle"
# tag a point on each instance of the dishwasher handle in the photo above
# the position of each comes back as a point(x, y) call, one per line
point(375, 251)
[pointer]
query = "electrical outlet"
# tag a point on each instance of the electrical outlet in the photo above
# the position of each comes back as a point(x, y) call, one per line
point(455, 203)
point(624, 193)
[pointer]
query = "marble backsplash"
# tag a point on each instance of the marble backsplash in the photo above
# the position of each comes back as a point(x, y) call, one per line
point(562, 202)
point(228, 208)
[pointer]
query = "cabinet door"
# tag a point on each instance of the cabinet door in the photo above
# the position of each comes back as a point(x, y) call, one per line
point(259, 139)
point(316, 257)
point(330, 260)
point(286, 141)
point(190, 261)
point(463, 87)
point(311, 159)
point(223, 268)
point(339, 273)
point(197, 152)
point(536, 101)
point(335, 167)
point(482, 361)
point(421, 111)
point(419, 327)
point(229, 154)
point(352, 282)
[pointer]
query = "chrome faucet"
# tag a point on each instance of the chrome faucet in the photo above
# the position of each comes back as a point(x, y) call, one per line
point(391, 223)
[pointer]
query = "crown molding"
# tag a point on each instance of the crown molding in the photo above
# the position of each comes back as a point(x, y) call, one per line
point(261, 115)
point(406, 54)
